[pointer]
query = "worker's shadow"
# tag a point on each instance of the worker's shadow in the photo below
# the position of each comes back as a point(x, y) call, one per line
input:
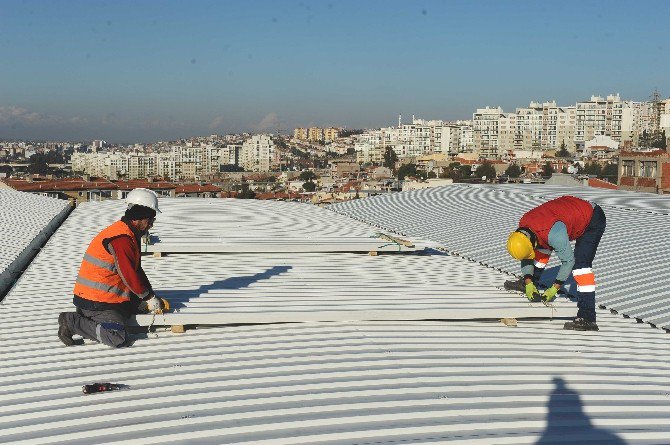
point(549, 277)
point(179, 297)
point(567, 421)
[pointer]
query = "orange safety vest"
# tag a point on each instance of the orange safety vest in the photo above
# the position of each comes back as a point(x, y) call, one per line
point(98, 278)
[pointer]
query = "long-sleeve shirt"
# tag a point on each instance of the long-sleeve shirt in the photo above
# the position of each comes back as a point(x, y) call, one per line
point(560, 243)
point(121, 249)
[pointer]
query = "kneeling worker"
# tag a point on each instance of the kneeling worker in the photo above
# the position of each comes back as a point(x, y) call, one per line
point(111, 284)
point(551, 226)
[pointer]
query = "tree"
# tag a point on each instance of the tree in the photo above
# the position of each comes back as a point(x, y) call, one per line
point(547, 170)
point(299, 153)
point(6, 169)
point(592, 168)
point(610, 172)
point(465, 171)
point(486, 169)
point(451, 171)
point(563, 151)
point(406, 170)
point(309, 186)
point(390, 158)
point(350, 132)
point(246, 192)
point(513, 171)
point(307, 176)
point(660, 141)
point(38, 164)
point(231, 168)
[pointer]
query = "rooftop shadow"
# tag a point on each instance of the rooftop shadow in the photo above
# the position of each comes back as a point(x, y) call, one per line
point(179, 298)
point(568, 423)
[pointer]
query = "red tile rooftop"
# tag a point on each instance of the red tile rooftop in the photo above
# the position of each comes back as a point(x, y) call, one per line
point(644, 153)
point(142, 183)
point(70, 184)
point(197, 188)
point(599, 183)
point(277, 195)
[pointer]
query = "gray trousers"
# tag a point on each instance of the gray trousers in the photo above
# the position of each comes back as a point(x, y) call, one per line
point(107, 327)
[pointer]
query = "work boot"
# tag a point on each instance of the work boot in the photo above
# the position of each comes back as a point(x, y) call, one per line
point(515, 285)
point(580, 324)
point(63, 331)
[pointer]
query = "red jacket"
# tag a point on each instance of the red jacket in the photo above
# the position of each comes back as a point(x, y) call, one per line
point(575, 213)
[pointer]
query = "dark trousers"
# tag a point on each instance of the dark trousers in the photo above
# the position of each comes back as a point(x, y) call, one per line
point(107, 327)
point(585, 250)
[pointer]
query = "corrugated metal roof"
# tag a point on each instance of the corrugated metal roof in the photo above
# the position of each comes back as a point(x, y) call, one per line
point(275, 287)
point(351, 383)
point(474, 222)
point(614, 198)
point(26, 220)
point(355, 382)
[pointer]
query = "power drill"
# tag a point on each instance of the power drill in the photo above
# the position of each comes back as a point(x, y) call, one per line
point(100, 387)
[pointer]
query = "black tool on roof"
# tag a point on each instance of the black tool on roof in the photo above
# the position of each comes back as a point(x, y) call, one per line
point(101, 387)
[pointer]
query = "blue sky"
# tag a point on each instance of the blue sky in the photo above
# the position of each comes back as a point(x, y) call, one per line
point(141, 71)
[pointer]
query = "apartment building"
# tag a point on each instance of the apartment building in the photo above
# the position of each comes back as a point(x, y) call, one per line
point(141, 166)
point(608, 116)
point(230, 154)
point(300, 133)
point(368, 146)
point(330, 134)
point(485, 126)
point(646, 117)
point(315, 134)
point(259, 154)
point(466, 141)
point(183, 162)
point(664, 117)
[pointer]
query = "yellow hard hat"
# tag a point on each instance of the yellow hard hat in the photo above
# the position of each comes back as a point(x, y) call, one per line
point(520, 246)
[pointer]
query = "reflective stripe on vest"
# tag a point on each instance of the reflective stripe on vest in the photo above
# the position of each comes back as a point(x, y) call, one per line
point(98, 279)
point(542, 258)
point(126, 293)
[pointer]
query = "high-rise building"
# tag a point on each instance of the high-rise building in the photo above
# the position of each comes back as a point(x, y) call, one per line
point(259, 154)
point(608, 116)
point(315, 134)
point(300, 133)
point(485, 126)
point(330, 134)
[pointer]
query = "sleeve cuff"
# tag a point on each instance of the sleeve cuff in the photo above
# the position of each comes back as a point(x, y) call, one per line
point(147, 295)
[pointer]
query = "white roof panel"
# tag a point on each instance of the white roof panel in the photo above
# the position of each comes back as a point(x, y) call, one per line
point(474, 222)
point(355, 382)
point(26, 220)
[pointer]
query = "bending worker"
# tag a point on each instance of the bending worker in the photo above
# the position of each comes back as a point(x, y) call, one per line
point(551, 226)
point(111, 284)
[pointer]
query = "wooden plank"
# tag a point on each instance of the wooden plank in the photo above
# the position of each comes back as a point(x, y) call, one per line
point(260, 317)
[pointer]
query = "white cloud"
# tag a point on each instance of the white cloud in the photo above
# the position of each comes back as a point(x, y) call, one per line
point(217, 123)
point(17, 115)
point(269, 122)
point(21, 116)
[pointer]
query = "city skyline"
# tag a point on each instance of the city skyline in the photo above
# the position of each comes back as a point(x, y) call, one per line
point(127, 72)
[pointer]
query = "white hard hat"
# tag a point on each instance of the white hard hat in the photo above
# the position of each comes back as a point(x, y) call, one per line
point(143, 197)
